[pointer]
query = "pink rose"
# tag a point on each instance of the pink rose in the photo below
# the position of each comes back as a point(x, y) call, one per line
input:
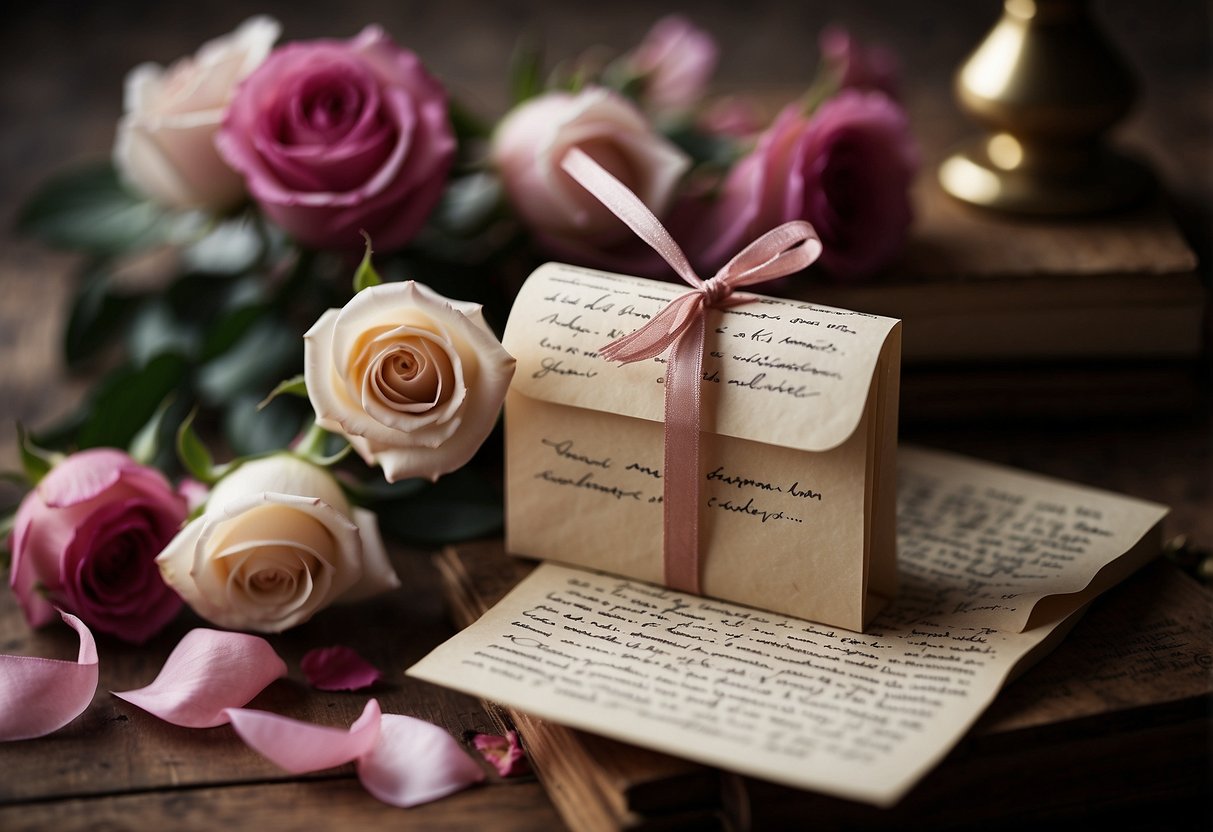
point(847, 170)
point(86, 540)
point(334, 137)
point(858, 66)
point(569, 222)
point(674, 63)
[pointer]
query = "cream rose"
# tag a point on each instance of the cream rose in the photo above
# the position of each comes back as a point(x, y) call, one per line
point(277, 542)
point(166, 139)
point(413, 380)
point(532, 140)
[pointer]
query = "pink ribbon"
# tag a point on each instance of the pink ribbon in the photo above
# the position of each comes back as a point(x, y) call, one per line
point(780, 252)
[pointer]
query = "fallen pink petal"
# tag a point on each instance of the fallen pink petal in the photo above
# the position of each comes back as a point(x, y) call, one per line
point(503, 753)
point(207, 673)
point(338, 668)
point(300, 747)
point(39, 696)
point(415, 762)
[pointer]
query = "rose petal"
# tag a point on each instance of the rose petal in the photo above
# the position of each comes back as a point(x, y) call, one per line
point(338, 668)
point(503, 753)
point(414, 762)
point(207, 673)
point(39, 696)
point(300, 747)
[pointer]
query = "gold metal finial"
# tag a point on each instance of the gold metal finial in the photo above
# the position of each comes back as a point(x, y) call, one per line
point(1046, 85)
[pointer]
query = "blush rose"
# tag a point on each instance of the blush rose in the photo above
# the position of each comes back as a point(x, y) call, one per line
point(277, 542)
point(847, 170)
point(674, 63)
point(337, 137)
point(413, 380)
point(532, 140)
point(165, 146)
point(85, 540)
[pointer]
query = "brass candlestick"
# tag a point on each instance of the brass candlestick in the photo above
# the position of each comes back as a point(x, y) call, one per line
point(1047, 86)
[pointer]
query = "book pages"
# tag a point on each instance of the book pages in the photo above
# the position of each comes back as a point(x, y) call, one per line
point(984, 552)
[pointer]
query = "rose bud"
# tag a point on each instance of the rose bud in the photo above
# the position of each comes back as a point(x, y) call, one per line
point(673, 63)
point(166, 139)
point(413, 380)
point(277, 542)
point(86, 539)
point(338, 137)
point(568, 221)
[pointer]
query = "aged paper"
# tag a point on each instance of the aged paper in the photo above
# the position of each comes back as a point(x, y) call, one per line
point(787, 373)
point(799, 429)
point(858, 715)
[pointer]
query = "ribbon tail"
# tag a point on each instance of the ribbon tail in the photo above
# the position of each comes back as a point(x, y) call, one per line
point(680, 474)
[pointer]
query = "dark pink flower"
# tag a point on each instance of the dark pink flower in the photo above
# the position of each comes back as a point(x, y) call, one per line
point(855, 65)
point(503, 753)
point(334, 137)
point(86, 540)
point(847, 170)
point(338, 668)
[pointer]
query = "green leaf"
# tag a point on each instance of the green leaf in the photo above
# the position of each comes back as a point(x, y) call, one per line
point(461, 506)
point(36, 462)
point(268, 351)
point(293, 386)
point(366, 276)
point(526, 70)
point(193, 453)
point(469, 203)
point(97, 316)
point(466, 124)
point(156, 330)
point(378, 490)
point(126, 400)
point(250, 430)
point(88, 209)
point(145, 447)
point(229, 248)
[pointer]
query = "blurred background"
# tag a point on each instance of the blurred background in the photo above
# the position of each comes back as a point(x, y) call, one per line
point(63, 65)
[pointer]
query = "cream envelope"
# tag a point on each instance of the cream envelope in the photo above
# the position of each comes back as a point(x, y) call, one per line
point(798, 446)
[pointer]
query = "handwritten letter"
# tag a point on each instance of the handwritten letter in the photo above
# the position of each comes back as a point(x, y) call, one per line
point(859, 715)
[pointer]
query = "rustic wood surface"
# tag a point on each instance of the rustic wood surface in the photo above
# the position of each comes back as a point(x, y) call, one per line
point(63, 64)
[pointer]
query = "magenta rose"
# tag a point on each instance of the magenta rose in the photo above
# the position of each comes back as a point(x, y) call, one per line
point(334, 137)
point(86, 540)
point(846, 170)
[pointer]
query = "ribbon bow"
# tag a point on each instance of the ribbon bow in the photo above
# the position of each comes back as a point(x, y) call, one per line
point(781, 251)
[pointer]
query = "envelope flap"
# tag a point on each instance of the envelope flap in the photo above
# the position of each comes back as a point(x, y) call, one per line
point(778, 371)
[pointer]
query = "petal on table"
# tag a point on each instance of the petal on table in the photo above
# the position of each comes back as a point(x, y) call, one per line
point(39, 696)
point(207, 673)
point(338, 668)
point(300, 747)
point(415, 762)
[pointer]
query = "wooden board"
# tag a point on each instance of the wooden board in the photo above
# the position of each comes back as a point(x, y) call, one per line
point(116, 761)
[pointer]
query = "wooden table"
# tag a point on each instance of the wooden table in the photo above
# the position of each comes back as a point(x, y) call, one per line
point(116, 767)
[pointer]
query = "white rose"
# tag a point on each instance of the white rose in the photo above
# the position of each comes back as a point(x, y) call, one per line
point(277, 542)
point(532, 140)
point(412, 379)
point(166, 139)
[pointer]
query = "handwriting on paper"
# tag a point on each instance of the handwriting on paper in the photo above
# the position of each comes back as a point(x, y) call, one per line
point(859, 715)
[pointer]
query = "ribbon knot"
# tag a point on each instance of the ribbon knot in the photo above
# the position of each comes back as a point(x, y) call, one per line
point(680, 329)
point(715, 290)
